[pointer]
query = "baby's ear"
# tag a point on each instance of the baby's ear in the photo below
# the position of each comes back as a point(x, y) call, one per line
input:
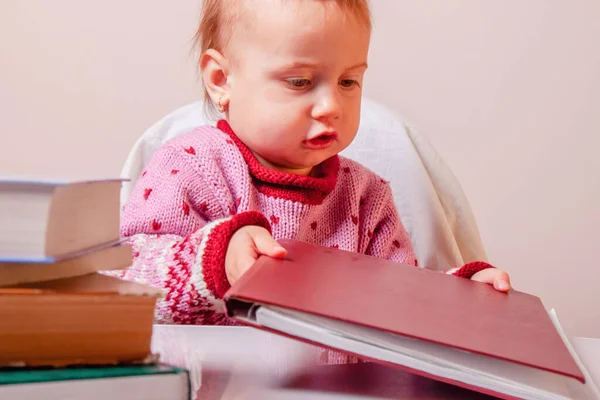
point(215, 71)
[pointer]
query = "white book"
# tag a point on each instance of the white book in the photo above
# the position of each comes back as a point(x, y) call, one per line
point(500, 377)
point(46, 221)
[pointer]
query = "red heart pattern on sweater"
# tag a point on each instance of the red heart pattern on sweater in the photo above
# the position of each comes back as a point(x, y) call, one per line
point(191, 150)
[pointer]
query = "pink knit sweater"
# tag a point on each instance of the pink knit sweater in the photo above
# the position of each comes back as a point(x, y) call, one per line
point(202, 186)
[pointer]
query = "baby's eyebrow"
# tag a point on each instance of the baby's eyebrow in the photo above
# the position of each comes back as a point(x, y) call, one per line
point(300, 65)
point(308, 65)
point(360, 65)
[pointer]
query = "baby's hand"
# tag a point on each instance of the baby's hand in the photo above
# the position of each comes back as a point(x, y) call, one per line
point(245, 246)
point(494, 276)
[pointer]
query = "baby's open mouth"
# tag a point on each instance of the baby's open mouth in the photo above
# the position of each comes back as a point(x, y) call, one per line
point(322, 140)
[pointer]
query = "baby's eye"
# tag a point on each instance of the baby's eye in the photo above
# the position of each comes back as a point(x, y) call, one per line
point(298, 83)
point(348, 83)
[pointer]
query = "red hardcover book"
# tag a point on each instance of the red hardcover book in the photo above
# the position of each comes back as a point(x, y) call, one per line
point(451, 329)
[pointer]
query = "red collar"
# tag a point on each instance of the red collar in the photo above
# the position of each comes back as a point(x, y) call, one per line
point(304, 189)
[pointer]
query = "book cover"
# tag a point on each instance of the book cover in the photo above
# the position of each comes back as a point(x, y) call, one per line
point(459, 330)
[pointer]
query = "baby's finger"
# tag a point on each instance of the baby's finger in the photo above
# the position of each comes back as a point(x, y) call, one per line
point(498, 278)
point(485, 275)
point(501, 281)
point(265, 244)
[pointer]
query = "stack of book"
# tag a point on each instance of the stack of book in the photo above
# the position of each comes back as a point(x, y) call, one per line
point(67, 329)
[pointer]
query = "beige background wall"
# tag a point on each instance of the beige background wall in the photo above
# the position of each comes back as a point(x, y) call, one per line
point(508, 92)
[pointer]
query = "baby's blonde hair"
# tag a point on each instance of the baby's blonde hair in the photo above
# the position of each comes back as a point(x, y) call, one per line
point(219, 16)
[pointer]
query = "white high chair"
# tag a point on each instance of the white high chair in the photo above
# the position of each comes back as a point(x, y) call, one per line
point(430, 201)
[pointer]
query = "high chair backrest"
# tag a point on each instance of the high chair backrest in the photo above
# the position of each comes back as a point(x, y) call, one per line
point(430, 201)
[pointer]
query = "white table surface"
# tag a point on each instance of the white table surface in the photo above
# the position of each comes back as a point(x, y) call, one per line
point(217, 356)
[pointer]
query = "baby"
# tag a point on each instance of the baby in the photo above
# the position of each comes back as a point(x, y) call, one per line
point(286, 77)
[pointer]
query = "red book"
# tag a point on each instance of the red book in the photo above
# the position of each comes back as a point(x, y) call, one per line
point(440, 326)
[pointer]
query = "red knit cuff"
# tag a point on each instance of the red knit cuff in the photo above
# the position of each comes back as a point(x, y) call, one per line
point(213, 257)
point(470, 269)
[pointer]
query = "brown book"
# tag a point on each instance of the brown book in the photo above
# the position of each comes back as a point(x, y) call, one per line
point(447, 328)
point(91, 319)
point(46, 220)
point(103, 259)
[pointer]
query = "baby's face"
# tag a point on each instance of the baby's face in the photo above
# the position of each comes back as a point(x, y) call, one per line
point(295, 79)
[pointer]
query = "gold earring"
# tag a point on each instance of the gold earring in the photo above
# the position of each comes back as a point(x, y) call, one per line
point(221, 106)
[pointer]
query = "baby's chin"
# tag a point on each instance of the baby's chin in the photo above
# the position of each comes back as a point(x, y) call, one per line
point(299, 167)
point(294, 165)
